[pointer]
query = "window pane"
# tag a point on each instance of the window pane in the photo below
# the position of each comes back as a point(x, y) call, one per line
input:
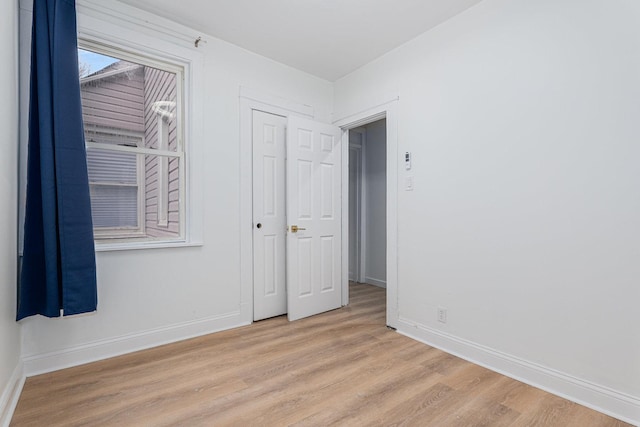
point(162, 196)
point(128, 104)
point(114, 206)
point(160, 109)
point(113, 167)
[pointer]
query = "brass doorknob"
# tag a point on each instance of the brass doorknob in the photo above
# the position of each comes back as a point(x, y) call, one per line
point(295, 228)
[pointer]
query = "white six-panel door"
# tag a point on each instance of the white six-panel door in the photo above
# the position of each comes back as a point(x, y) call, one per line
point(313, 187)
point(299, 272)
point(269, 216)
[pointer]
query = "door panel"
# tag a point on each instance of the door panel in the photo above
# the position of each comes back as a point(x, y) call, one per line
point(269, 267)
point(314, 205)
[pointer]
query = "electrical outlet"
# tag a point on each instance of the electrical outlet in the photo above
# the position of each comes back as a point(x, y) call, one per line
point(442, 315)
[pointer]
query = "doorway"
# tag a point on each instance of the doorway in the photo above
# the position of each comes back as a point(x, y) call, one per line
point(251, 100)
point(368, 203)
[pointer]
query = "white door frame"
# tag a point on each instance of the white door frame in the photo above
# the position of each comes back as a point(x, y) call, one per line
point(388, 111)
point(250, 100)
point(361, 214)
point(357, 269)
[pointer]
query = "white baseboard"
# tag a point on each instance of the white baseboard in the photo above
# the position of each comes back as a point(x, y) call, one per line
point(611, 402)
point(11, 394)
point(375, 282)
point(104, 349)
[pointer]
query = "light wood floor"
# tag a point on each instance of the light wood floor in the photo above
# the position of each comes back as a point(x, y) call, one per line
point(339, 368)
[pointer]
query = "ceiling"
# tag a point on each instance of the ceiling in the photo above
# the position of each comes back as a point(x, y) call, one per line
point(326, 38)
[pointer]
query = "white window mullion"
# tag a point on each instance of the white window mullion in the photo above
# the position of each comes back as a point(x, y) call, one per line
point(127, 149)
point(142, 193)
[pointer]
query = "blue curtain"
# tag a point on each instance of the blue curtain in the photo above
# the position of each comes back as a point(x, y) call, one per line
point(58, 266)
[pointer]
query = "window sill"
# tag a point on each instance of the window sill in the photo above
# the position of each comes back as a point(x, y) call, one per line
point(128, 246)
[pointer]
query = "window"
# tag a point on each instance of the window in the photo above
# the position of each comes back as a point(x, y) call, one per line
point(133, 124)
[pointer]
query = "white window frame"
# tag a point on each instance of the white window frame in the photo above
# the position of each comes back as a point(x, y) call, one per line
point(127, 235)
point(127, 29)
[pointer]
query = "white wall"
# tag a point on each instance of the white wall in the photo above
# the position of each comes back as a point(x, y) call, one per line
point(9, 329)
point(522, 118)
point(375, 188)
point(149, 296)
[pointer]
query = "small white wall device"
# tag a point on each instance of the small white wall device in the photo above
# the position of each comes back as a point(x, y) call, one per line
point(407, 160)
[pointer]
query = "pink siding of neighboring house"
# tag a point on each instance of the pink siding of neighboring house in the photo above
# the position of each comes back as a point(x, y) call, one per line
point(160, 86)
point(116, 101)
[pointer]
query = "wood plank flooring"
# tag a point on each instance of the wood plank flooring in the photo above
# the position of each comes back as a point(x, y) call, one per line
point(339, 368)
